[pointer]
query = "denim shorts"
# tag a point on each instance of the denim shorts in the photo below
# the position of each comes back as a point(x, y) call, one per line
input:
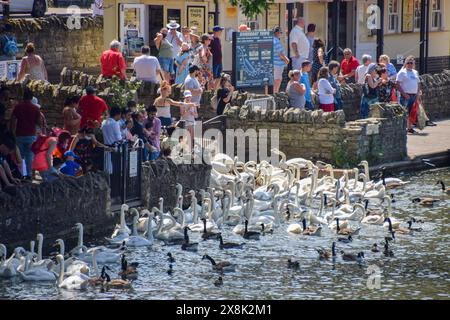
point(166, 64)
point(217, 70)
point(408, 103)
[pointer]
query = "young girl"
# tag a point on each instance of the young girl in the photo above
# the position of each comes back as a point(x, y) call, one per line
point(188, 113)
point(326, 91)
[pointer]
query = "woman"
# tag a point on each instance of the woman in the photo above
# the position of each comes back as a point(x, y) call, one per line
point(370, 90)
point(325, 90)
point(387, 87)
point(224, 94)
point(333, 67)
point(188, 112)
point(206, 60)
point(194, 51)
point(318, 58)
point(163, 103)
point(181, 62)
point(83, 146)
point(43, 157)
point(32, 64)
point(63, 142)
point(392, 72)
point(165, 56)
point(296, 90)
point(71, 117)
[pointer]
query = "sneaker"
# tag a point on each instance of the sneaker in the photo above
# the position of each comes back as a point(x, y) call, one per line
point(430, 123)
point(412, 131)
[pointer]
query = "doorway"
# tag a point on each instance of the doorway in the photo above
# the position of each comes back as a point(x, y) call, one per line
point(346, 27)
point(155, 23)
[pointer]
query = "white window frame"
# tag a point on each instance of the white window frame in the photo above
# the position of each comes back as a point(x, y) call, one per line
point(393, 14)
point(417, 28)
point(433, 11)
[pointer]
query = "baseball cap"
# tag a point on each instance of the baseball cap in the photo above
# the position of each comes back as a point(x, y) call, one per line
point(187, 93)
point(277, 29)
point(70, 154)
point(90, 90)
point(371, 67)
point(218, 28)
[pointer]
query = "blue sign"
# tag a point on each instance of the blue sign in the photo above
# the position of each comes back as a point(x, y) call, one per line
point(252, 59)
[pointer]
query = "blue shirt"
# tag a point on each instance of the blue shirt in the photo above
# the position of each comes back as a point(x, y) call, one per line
point(335, 84)
point(305, 80)
point(391, 70)
point(278, 47)
point(69, 168)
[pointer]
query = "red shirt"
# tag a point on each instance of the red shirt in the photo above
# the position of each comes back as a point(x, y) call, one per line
point(91, 108)
point(349, 66)
point(112, 63)
point(28, 116)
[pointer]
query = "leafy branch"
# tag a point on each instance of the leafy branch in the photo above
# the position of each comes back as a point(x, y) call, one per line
point(252, 8)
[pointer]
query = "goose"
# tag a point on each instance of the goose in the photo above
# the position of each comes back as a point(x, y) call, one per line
point(208, 235)
point(253, 235)
point(218, 282)
point(345, 231)
point(310, 230)
point(426, 202)
point(128, 271)
point(72, 265)
point(394, 222)
point(170, 258)
point(77, 281)
point(37, 273)
point(326, 254)
point(121, 231)
point(346, 240)
point(136, 240)
point(399, 229)
point(410, 222)
point(221, 266)
point(375, 248)
point(444, 189)
point(188, 246)
point(352, 257)
point(387, 251)
point(293, 264)
point(229, 245)
point(170, 271)
point(115, 283)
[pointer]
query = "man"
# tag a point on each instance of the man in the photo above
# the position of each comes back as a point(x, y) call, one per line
point(348, 66)
point(111, 127)
point(299, 45)
point(25, 117)
point(408, 84)
point(112, 62)
point(91, 109)
point(244, 28)
point(156, 128)
point(360, 74)
point(310, 34)
point(71, 117)
point(147, 67)
point(174, 38)
point(191, 83)
point(280, 60)
point(216, 50)
point(304, 79)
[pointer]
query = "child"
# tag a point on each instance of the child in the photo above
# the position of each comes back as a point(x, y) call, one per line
point(188, 113)
point(304, 79)
point(70, 167)
point(333, 67)
point(148, 133)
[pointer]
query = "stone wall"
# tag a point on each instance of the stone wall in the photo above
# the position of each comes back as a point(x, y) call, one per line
point(53, 209)
point(60, 46)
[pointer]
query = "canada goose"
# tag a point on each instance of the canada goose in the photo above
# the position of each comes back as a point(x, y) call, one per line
point(390, 237)
point(352, 257)
point(170, 271)
point(426, 202)
point(253, 235)
point(293, 264)
point(222, 266)
point(229, 245)
point(410, 222)
point(375, 248)
point(129, 271)
point(218, 282)
point(326, 254)
point(444, 189)
point(115, 283)
point(310, 230)
point(399, 230)
point(188, 246)
point(170, 258)
point(207, 235)
point(387, 251)
point(346, 240)
point(345, 231)
point(264, 231)
point(99, 280)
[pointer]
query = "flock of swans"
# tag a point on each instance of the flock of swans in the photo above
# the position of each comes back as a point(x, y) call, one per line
point(250, 199)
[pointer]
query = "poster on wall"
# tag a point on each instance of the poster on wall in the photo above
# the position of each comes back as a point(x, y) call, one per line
point(252, 59)
point(9, 69)
point(408, 16)
point(196, 16)
point(174, 14)
point(273, 16)
point(210, 21)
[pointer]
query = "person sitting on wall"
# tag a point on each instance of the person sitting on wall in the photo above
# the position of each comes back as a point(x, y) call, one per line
point(43, 149)
point(112, 62)
point(92, 108)
point(70, 167)
point(348, 66)
point(72, 118)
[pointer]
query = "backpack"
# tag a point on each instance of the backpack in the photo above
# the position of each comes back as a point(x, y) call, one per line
point(10, 47)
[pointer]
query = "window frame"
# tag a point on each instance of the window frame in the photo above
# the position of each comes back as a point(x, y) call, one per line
point(395, 14)
point(418, 17)
point(432, 12)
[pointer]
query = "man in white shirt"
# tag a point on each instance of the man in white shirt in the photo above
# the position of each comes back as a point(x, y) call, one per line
point(111, 127)
point(299, 45)
point(191, 83)
point(147, 67)
point(360, 74)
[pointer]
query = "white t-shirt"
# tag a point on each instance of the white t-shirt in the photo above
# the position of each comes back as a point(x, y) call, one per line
point(325, 92)
point(111, 131)
point(361, 71)
point(146, 68)
point(409, 80)
point(298, 36)
point(192, 83)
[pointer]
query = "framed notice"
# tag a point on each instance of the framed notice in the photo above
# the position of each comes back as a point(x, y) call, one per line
point(9, 69)
point(133, 164)
point(196, 16)
point(273, 16)
point(210, 21)
point(408, 16)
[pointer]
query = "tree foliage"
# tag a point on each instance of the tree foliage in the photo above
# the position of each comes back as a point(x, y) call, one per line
point(251, 8)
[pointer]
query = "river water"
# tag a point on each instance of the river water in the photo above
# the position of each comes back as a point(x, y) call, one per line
point(419, 269)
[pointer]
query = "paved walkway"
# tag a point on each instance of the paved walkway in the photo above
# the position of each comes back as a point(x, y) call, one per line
point(430, 140)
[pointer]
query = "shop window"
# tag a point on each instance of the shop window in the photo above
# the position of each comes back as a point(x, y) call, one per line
point(393, 15)
point(417, 13)
point(436, 14)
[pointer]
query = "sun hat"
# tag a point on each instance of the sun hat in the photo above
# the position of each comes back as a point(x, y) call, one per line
point(172, 25)
point(187, 93)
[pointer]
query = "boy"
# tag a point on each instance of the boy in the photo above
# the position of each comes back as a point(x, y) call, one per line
point(70, 167)
point(304, 79)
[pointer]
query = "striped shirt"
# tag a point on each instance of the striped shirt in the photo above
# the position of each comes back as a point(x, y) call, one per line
point(278, 47)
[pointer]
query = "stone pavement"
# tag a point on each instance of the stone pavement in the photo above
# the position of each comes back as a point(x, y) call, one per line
point(431, 140)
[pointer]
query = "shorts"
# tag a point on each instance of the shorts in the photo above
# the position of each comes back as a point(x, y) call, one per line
point(408, 103)
point(165, 122)
point(166, 64)
point(327, 107)
point(278, 72)
point(217, 70)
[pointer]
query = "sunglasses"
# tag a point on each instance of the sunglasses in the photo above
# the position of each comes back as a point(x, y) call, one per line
point(411, 62)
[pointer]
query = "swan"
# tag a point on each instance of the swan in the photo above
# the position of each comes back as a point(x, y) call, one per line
point(166, 235)
point(42, 273)
point(365, 164)
point(143, 221)
point(332, 224)
point(121, 231)
point(40, 262)
point(8, 266)
point(376, 194)
point(77, 281)
point(136, 240)
point(395, 222)
point(72, 265)
point(210, 224)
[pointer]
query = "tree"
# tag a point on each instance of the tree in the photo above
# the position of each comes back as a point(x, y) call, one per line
point(251, 8)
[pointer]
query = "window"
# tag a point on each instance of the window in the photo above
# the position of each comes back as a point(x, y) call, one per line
point(417, 6)
point(436, 14)
point(393, 13)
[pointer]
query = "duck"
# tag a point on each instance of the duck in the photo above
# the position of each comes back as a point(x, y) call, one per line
point(426, 202)
point(128, 271)
point(222, 266)
point(188, 246)
point(352, 257)
point(77, 281)
point(375, 248)
point(229, 245)
point(253, 235)
point(218, 282)
point(345, 231)
point(293, 264)
point(326, 254)
point(444, 189)
point(170, 258)
point(346, 240)
point(136, 240)
point(115, 283)
point(311, 230)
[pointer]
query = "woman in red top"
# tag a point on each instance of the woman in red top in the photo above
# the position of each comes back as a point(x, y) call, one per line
point(91, 109)
point(43, 157)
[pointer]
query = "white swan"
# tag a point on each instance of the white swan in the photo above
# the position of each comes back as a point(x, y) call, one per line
point(77, 281)
point(42, 273)
point(136, 240)
point(72, 265)
point(121, 231)
point(210, 224)
point(166, 235)
point(8, 267)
